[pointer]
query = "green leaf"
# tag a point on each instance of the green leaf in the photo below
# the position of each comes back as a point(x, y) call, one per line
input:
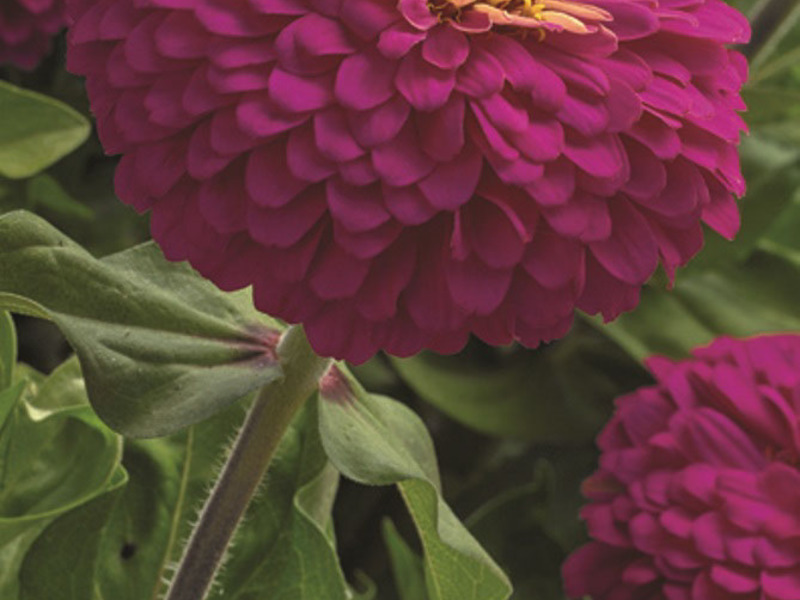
point(160, 347)
point(407, 568)
point(8, 402)
point(8, 350)
point(56, 458)
point(60, 564)
point(377, 441)
point(531, 395)
point(35, 131)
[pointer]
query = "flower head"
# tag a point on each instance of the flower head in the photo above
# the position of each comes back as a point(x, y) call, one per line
point(698, 489)
point(27, 28)
point(400, 174)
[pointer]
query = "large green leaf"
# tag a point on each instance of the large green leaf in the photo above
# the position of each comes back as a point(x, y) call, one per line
point(377, 441)
point(161, 348)
point(35, 131)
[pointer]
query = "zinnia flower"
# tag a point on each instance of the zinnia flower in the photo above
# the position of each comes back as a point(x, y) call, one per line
point(398, 175)
point(27, 28)
point(698, 492)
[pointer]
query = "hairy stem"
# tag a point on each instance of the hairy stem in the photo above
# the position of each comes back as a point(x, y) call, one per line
point(252, 452)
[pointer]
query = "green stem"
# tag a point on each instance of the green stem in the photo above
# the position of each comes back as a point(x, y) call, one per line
point(252, 452)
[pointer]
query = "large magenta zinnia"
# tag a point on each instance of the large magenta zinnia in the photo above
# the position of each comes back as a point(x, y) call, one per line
point(398, 175)
point(27, 28)
point(698, 489)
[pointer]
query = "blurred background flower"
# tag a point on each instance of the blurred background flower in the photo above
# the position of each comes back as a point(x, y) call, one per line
point(399, 176)
point(697, 492)
point(27, 28)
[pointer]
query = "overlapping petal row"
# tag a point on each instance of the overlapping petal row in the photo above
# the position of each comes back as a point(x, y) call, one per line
point(698, 489)
point(27, 28)
point(400, 175)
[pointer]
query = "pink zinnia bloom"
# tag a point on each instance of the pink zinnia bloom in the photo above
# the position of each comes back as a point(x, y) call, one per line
point(27, 28)
point(398, 175)
point(698, 492)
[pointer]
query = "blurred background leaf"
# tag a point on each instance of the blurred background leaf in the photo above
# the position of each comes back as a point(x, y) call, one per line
point(8, 349)
point(407, 566)
point(35, 131)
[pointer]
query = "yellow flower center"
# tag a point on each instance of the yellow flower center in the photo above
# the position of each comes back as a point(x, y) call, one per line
point(565, 15)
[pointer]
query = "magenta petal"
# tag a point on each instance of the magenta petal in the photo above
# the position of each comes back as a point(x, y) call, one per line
point(333, 136)
point(526, 73)
point(395, 42)
point(364, 81)
point(452, 184)
point(630, 253)
point(416, 12)
point(648, 174)
point(337, 274)
point(442, 131)
point(287, 225)
point(268, 179)
point(299, 94)
point(481, 75)
point(445, 48)
point(380, 124)
point(476, 287)
point(408, 205)
point(493, 237)
point(553, 260)
point(401, 162)
point(424, 86)
point(601, 155)
point(304, 159)
point(585, 217)
point(781, 585)
point(557, 185)
point(358, 209)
